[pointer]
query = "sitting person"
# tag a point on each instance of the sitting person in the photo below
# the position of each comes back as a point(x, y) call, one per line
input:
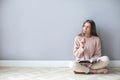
point(87, 46)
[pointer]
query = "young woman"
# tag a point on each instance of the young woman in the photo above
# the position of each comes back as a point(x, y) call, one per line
point(87, 46)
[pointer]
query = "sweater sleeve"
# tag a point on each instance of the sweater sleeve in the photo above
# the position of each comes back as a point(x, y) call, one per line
point(78, 50)
point(97, 48)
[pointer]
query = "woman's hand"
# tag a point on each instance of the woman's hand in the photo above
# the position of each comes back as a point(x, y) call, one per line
point(98, 59)
point(82, 42)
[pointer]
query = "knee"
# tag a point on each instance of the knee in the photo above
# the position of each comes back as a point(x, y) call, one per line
point(105, 59)
point(73, 64)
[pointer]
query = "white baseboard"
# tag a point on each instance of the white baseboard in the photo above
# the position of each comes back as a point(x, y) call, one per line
point(35, 63)
point(115, 63)
point(46, 63)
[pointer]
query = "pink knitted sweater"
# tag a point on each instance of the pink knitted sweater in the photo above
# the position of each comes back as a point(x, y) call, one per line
point(92, 49)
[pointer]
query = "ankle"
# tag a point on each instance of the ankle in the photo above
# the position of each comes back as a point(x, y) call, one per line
point(76, 72)
point(92, 71)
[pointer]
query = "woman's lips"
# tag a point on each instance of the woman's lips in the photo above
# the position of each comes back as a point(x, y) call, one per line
point(84, 31)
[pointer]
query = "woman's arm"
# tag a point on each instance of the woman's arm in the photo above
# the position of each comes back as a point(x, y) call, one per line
point(97, 48)
point(78, 49)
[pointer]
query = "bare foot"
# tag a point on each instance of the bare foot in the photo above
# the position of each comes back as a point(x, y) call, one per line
point(106, 71)
point(99, 71)
point(78, 72)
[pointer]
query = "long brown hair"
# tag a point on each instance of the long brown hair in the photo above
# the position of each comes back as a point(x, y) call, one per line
point(93, 28)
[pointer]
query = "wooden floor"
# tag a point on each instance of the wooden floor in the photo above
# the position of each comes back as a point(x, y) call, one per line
point(45, 73)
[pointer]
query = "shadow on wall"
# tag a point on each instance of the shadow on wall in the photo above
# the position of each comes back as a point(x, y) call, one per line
point(107, 42)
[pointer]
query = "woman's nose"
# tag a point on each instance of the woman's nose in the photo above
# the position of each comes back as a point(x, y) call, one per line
point(85, 28)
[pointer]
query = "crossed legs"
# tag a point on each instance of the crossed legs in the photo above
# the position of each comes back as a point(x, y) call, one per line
point(98, 67)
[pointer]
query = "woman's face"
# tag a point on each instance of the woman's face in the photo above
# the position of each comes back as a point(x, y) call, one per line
point(87, 28)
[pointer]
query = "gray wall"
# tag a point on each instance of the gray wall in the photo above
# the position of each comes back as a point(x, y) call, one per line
point(45, 29)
